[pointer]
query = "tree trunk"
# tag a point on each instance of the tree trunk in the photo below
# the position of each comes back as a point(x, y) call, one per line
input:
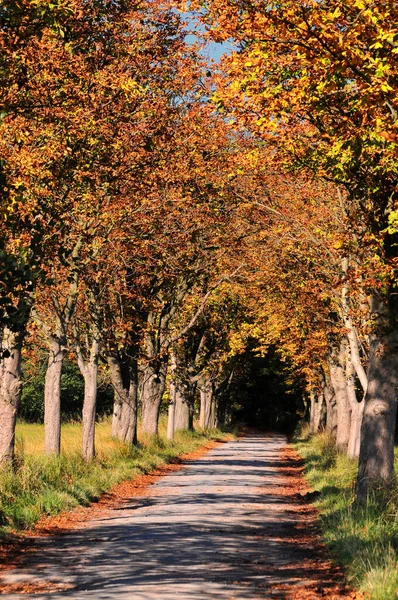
point(319, 413)
point(223, 410)
point(376, 458)
point(173, 392)
point(184, 409)
point(57, 345)
point(89, 370)
point(152, 390)
point(339, 382)
point(89, 405)
point(127, 431)
point(124, 378)
point(354, 440)
point(181, 401)
point(10, 391)
point(52, 397)
point(208, 412)
point(172, 412)
point(222, 397)
point(312, 411)
point(331, 408)
point(117, 413)
point(307, 407)
point(331, 415)
point(352, 336)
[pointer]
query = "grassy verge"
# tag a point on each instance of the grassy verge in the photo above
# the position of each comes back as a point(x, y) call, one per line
point(364, 541)
point(44, 485)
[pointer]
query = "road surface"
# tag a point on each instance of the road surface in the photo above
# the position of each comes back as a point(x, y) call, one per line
point(218, 529)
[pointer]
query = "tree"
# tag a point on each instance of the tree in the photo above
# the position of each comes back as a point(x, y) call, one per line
point(176, 248)
point(113, 93)
point(29, 213)
point(318, 82)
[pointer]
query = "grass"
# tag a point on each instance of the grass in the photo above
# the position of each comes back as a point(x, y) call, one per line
point(46, 485)
point(364, 540)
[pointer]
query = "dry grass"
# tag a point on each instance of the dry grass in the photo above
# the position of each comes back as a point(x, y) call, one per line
point(30, 438)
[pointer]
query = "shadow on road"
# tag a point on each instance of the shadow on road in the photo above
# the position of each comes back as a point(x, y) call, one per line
point(228, 526)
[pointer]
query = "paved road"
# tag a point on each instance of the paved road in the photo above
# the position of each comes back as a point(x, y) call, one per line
point(215, 530)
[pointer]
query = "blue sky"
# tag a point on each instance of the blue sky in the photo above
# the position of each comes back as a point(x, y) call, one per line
point(213, 50)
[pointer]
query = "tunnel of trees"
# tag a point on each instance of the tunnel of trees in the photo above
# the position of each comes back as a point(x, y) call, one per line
point(265, 394)
point(216, 240)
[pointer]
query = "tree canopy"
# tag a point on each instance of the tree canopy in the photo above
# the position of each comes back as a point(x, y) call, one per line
point(163, 218)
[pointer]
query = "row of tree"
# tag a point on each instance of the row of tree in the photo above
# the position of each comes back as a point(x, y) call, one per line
point(161, 219)
point(317, 82)
point(120, 212)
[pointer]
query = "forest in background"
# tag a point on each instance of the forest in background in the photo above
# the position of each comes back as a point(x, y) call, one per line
point(163, 218)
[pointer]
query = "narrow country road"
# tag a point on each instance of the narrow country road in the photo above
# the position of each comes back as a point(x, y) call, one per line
point(220, 528)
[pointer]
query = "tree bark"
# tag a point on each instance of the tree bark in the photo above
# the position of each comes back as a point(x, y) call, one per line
point(208, 410)
point(312, 411)
point(10, 391)
point(331, 414)
point(353, 364)
point(173, 393)
point(307, 407)
point(89, 370)
point(352, 336)
point(331, 408)
point(184, 409)
point(319, 413)
point(172, 412)
point(157, 343)
point(89, 406)
point(127, 425)
point(181, 397)
point(152, 390)
point(222, 396)
point(124, 378)
point(354, 440)
point(117, 406)
point(52, 397)
point(376, 458)
point(339, 382)
point(57, 345)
